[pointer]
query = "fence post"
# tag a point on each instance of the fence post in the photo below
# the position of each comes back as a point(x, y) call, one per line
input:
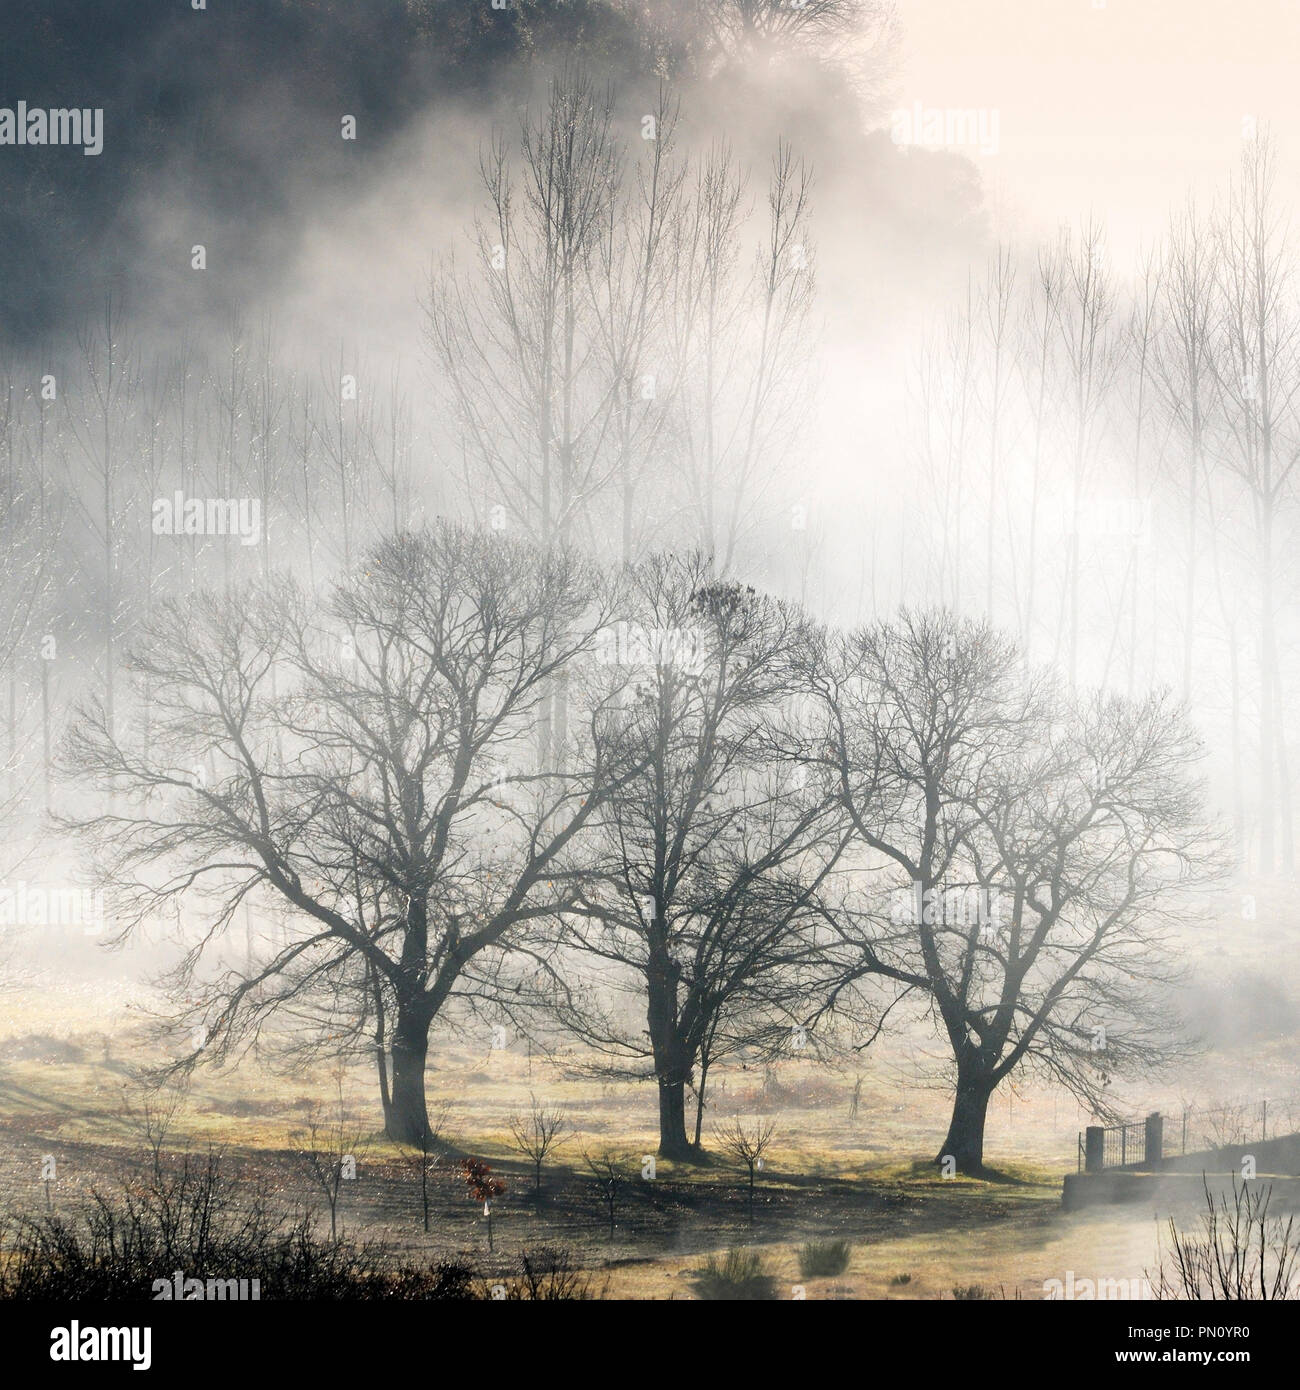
point(1094, 1149)
point(1155, 1138)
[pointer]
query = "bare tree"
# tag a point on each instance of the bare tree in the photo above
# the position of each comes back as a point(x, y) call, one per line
point(100, 415)
point(738, 344)
point(1240, 1253)
point(1037, 358)
point(610, 1173)
point(1087, 309)
point(432, 1148)
point(515, 336)
point(635, 255)
point(708, 857)
point(1141, 343)
point(1028, 851)
point(377, 795)
point(960, 401)
point(997, 303)
point(152, 1115)
point(1257, 376)
point(536, 1134)
point(522, 345)
point(1184, 375)
point(30, 532)
point(609, 321)
point(330, 1147)
point(747, 1144)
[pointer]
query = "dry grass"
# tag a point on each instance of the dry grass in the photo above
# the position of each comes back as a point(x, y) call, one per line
point(68, 1048)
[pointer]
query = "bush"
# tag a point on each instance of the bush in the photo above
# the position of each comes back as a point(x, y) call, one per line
point(1240, 1253)
point(545, 1275)
point(898, 1280)
point(189, 1218)
point(740, 1276)
point(971, 1292)
point(820, 1258)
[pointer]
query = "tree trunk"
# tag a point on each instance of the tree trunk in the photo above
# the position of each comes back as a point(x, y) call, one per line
point(965, 1141)
point(381, 1048)
point(672, 1071)
point(1189, 582)
point(406, 1119)
point(1238, 778)
point(699, 1099)
point(1267, 735)
point(48, 760)
point(672, 1118)
point(1285, 828)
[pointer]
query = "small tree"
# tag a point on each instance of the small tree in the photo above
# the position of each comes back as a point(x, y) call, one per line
point(748, 1145)
point(607, 1168)
point(330, 1148)
point(536, 1134)
point(428, 1153)
point(482, 1187)
point(153, 1117)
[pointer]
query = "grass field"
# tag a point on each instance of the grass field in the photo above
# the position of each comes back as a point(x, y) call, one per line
point(69, 1051)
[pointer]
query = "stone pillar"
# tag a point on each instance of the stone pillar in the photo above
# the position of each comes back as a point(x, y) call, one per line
point(1094, 1149)
point(1155, 1127)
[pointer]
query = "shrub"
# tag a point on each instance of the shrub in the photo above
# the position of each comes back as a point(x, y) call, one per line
point(971, 1292)
point(189, 1218)
point(547, 1274)
point(898, 1280)
point(739, 1276)
point(820, 1258)
point(1240, 1253)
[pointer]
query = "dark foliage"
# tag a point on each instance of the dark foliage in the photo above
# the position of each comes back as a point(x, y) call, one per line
point(190, 1218)
point(546, 1274)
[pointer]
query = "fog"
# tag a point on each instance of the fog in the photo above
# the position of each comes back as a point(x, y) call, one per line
point(511, 512)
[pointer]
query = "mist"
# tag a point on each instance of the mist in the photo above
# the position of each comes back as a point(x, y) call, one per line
point(649, 651)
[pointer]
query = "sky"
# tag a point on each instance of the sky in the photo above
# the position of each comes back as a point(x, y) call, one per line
point(1116, 108)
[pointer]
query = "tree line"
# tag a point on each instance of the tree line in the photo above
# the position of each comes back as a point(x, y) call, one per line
point(1109, 469)
point(758, 832)
point(620, 359)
